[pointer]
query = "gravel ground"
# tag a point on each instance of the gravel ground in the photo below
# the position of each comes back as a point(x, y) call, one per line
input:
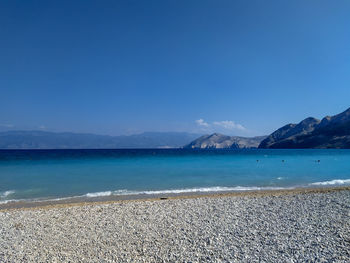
point(313, 227)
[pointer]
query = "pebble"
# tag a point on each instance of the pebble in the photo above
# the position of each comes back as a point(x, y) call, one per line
point(313, 227)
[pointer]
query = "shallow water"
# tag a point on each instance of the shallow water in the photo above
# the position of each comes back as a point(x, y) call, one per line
point(49, 174)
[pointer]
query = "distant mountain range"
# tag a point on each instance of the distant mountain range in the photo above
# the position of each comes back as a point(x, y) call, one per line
point(220, 141)
point(67, 140)
point(330, 132)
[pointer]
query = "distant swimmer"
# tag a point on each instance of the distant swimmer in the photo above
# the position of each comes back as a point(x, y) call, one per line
point(257, 160)
point(282, 161)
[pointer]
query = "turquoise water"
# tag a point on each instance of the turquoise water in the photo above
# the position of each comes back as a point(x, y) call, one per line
point(49, 174)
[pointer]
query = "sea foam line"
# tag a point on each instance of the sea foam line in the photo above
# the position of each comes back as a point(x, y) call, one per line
point(184, 190)
point(333, 182)
point(121, 192)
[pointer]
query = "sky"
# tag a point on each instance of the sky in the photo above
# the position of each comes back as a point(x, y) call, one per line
point(239, 67)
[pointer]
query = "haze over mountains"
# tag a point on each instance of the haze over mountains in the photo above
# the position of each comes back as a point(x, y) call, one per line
point(67, 140)
point(330, 132)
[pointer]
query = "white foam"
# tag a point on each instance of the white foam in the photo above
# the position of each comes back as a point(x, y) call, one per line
point(333, 182)
point(97, 194)
point(194, 190)
point(123, 192)
point(203, 189)
point(181, 191)
point(150, 192)
point(6, 193)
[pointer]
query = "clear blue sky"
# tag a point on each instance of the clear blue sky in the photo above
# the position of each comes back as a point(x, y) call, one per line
point(121, 67)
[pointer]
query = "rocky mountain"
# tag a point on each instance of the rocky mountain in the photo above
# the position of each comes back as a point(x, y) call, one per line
point(67, 140)
point(220, 141)
point(330, 132)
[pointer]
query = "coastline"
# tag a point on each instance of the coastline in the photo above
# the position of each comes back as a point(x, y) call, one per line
point(299, 225)
point(82, 201)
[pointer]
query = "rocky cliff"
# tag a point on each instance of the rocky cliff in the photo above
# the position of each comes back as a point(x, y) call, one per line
point(330, 132)
point(220, 141)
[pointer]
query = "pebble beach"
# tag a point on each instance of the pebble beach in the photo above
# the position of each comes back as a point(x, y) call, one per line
point(310, 226)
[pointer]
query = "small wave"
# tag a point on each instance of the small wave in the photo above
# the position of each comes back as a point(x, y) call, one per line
point(195, 190)
point(203, 189)
point(97, 194)
point(333, 182)
point(6, 193)
point(181, 191)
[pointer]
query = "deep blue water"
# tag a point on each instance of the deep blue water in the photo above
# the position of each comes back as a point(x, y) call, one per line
point(47, 174)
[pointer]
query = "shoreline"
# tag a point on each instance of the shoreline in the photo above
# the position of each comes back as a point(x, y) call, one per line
point(298, 225)
point(90, 201)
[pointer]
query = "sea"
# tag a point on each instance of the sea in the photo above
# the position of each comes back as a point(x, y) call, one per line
point(33, 175)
